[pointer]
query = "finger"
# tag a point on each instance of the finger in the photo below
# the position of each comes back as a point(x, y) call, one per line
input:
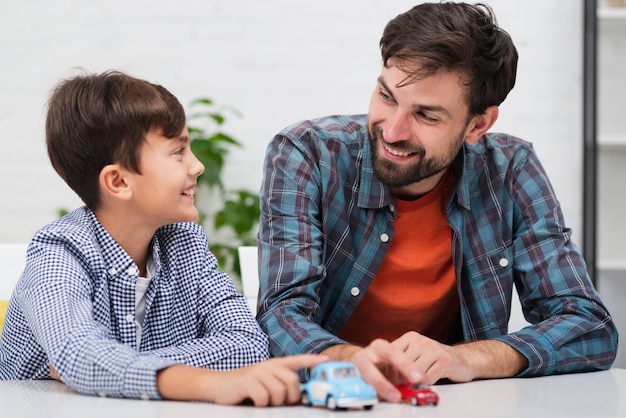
point(439, 364)
point(258, 393)
point(371, 361)
point(404, 363)
point(429, 363)
point(413, 343)
point(286, 389)
point(292, 383)
point(274, 389)
point(278, 381)
point(372, 375)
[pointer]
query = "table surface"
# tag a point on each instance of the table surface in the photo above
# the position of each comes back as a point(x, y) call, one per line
point(586, 395)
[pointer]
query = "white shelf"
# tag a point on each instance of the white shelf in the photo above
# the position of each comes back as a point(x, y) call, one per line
point(612, 265)
point(607, 12)
point(612, 140)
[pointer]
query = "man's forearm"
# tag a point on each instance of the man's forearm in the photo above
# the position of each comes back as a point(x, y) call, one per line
point(341, 352)
point(490, 359)
point(476, 360)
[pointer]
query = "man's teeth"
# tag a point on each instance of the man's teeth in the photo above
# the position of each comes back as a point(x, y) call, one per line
point(396, 153)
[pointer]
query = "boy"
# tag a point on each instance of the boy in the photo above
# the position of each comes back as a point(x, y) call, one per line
point(122, 297)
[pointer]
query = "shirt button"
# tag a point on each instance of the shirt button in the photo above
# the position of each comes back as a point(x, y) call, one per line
point(145, 397)
point(132, 271)
point(504, 262)
point(102, 394)
point(130, 318)
point(384, 237)
point(355, 291)
point(392, 208)
point(112, 271)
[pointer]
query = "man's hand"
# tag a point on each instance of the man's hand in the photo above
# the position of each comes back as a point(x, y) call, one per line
point(381, 364)
point(419, 359)
point(463, 362)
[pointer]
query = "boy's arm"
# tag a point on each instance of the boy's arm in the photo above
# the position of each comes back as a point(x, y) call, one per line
point(272, 382)
point(226, 336)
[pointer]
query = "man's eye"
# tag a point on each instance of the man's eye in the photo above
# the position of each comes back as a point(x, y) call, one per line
point(425, 117)
point(180, 151)
point(386, 97)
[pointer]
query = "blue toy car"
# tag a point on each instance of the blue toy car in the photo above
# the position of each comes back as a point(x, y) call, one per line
point(338, 385)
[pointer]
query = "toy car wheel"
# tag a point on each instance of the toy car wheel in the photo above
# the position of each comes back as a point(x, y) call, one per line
point(368, 407)
point(305, 399)
point(331, 403)
point(414, 401)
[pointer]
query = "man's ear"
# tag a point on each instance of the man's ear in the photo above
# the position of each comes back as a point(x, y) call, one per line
point(113, 182)
point(480, 124)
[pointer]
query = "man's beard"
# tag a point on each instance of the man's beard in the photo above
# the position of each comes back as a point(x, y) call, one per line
point(399, 175)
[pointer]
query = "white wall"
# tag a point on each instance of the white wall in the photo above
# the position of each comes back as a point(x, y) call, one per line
point(276, 61)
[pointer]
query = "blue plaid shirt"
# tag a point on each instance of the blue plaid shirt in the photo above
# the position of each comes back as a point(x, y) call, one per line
point(326, 224)
point(74, 306)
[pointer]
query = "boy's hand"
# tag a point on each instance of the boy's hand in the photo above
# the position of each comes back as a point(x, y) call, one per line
point(53, 372)
point(271, 382)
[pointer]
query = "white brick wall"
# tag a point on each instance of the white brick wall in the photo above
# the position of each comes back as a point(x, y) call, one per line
point(276, 61)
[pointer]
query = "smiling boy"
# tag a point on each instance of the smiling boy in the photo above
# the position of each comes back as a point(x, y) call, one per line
point(121, 297)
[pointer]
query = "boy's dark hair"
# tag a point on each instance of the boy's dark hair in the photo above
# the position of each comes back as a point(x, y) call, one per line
point(100, 119)
point(456, 37)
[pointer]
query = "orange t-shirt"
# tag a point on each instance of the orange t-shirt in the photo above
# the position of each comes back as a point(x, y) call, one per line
point(415, 286)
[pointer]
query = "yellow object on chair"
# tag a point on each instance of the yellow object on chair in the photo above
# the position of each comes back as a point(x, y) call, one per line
point(3, 310)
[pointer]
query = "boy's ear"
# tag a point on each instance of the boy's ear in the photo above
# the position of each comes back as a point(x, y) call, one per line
point(113, 182)
point(480, 124)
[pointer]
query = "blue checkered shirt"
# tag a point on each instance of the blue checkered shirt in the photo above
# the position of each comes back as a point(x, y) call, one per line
point(74, 307)
point(327, 222)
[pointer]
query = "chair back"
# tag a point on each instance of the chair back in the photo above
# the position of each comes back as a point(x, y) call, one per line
point(248, 262)
point(12, 260)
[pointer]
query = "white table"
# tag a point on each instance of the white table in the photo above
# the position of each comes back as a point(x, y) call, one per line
point(589, 395)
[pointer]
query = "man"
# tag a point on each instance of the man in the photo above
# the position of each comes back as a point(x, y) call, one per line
point(394, 240)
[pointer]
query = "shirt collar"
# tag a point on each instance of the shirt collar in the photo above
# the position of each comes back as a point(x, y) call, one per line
point(116, 257)
point(460, 190)
point(373, 194)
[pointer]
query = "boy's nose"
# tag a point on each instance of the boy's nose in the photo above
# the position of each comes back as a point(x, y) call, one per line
point(196, 167)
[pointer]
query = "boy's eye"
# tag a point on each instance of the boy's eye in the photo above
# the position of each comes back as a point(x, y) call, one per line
point(180, 151)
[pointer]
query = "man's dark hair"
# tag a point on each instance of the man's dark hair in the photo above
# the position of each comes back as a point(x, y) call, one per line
point(454, 37)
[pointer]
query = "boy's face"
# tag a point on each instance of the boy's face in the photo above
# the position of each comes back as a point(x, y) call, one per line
point(163, 192)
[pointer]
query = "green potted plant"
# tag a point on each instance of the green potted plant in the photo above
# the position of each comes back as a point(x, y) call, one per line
point(229, 216)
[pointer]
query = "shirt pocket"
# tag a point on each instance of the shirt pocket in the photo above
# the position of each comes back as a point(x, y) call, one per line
point(487, 290)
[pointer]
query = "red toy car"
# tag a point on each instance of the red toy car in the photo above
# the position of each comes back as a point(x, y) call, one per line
point(418, 394)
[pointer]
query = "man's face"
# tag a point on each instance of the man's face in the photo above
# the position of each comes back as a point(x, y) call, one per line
point(415, 130)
